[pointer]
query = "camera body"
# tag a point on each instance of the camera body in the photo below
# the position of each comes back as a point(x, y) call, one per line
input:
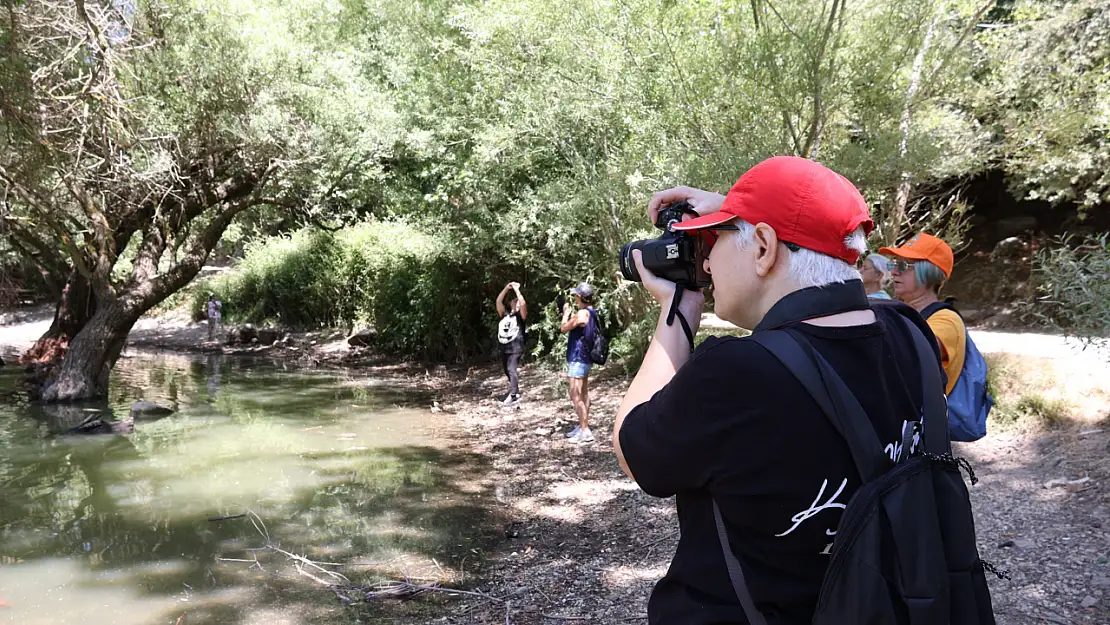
point(675, 256)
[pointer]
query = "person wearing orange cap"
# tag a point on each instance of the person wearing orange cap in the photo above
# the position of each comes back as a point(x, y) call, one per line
point(920, 268)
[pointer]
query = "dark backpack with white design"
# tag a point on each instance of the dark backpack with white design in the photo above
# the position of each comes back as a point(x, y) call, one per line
point(905, 552)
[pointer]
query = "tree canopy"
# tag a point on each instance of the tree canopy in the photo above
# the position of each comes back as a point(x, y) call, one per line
point(523, 136)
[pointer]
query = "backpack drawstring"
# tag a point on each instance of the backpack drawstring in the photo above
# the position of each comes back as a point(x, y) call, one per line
point(990, 568)
point(958, 462)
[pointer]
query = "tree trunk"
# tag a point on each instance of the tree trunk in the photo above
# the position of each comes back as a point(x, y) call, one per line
point(897, 215)
point(93, 352)
point(74, 309)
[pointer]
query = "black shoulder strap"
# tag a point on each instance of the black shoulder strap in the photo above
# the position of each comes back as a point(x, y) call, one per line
point(935, 306)
point(934, 409)
point(736, 574)
point(830, 392)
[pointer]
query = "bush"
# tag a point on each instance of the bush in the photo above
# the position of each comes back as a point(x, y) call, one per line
point(1075, 291)
point(424, 299)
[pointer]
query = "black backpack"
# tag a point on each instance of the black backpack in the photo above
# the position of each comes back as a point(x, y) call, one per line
point(599, 345)
point(905, 551)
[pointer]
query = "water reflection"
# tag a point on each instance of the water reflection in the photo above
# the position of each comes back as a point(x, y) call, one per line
point(115, 529)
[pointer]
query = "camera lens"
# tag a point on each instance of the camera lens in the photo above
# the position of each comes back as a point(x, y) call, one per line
point(627, 263)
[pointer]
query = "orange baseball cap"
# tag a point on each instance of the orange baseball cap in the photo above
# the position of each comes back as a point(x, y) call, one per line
point(924, 247)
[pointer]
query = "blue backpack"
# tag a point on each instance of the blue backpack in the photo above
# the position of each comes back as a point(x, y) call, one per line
point(969, 403)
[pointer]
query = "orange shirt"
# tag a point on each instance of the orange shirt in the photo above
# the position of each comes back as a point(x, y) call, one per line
point(952, 335)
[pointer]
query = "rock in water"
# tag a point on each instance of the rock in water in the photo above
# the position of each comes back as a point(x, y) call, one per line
point(97, 424)
point(149, 410)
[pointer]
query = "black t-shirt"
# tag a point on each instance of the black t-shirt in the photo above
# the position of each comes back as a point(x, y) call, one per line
point(735, 425)
point(510, 333)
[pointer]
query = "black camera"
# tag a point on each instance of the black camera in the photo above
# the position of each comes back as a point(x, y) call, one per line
point(675, 256)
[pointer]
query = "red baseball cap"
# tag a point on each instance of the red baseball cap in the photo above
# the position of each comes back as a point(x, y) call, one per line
point(806, 203)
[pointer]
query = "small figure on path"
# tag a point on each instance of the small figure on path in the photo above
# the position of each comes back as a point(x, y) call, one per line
point(575, 320)
point(214, 309)
point(510, 338)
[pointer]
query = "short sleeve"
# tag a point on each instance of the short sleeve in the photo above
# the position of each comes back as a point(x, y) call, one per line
point(951, 334)
point(670, 440)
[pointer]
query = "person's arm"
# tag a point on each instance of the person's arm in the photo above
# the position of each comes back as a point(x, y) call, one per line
point(669, 349)
point(501, 301)
point(520, 298)
point(572, 320)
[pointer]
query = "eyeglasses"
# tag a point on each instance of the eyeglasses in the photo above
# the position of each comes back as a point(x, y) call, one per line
point(900, 265)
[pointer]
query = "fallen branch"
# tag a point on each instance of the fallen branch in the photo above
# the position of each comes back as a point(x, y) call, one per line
point(228, 517)
point(340, 584)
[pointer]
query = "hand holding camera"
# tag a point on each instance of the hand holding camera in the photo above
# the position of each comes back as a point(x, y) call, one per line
point(702, 202)
point(678, 257)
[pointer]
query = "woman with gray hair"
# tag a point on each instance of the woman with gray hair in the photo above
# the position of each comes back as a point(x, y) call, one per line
point(875, 271)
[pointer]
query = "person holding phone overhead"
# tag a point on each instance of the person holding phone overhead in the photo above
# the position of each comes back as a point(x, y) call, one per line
point(510, 338)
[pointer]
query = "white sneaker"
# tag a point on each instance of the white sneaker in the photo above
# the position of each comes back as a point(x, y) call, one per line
point(583, 436)
point(574, 432)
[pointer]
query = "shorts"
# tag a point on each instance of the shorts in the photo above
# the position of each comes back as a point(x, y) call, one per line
point(578, 370)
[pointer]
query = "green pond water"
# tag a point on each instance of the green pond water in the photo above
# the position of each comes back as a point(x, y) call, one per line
point(115, 530)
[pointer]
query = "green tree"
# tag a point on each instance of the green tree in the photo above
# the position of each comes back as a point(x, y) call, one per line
point(1045, 95)
point(141, 130)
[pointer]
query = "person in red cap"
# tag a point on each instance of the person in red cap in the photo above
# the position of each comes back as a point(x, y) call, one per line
point(729, 425)
point(920, 268)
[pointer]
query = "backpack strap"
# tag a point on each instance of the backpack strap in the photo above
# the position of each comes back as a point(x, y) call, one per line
point(833, 396)
point(735, 573)
point(788, 349)
point(934, 408)
point(935, 306)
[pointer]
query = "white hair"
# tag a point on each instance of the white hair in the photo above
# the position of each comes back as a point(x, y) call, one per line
point(881, 264)
point(808, 268)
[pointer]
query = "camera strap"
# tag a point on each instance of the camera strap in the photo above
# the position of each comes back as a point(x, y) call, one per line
point(674, 312)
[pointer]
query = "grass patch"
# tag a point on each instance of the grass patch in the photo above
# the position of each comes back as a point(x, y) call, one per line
point(1025, 392)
